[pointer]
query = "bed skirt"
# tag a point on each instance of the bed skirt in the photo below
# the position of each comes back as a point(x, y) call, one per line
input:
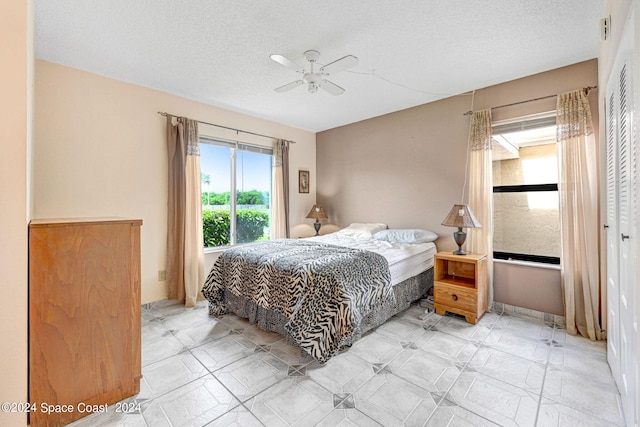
point(405, 292)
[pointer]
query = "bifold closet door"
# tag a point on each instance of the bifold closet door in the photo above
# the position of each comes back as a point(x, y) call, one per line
point(613, 239)
point(623, 211)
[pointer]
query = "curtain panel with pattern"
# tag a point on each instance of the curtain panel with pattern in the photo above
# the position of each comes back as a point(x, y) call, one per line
point(185, 254)
point(480, 240)
point(280, 184)
point(579, 215)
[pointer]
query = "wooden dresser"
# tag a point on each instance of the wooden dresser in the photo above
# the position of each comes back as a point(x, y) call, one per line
point(84, 316)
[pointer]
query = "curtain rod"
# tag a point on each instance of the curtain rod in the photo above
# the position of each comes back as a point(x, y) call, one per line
point(585, 89)
point(165, 114)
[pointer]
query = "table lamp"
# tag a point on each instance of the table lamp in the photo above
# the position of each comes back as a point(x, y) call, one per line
point(461, 216)
point(317, 212)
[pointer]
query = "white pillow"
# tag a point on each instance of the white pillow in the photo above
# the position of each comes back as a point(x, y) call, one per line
point(360, 230)
point(371, 227)
point(406, 236)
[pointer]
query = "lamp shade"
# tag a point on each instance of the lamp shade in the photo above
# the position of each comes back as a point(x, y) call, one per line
point(317, 212)
point(461, 216)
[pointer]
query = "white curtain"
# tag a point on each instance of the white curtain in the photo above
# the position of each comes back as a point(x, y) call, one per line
point(480, 240)
point(280, 186)
point(578, 188)
point(185, 243)
point(194, 239)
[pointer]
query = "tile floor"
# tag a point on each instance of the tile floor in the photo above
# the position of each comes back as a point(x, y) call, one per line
point(511, 369)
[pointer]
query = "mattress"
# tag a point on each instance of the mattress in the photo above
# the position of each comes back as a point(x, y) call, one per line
point(405, 259)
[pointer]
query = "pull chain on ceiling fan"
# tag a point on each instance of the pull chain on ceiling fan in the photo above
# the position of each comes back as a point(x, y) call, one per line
point(313, 79)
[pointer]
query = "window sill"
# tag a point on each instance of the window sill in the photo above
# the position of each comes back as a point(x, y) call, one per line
point(216, 249)
point(527, 263)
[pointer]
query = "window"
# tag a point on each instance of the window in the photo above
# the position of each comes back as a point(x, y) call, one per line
point(526, 214)
point(241, 170)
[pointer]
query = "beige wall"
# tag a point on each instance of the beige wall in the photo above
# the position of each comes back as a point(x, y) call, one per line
point(528, 285)
point(16, 57)
point(404, 169)
point(99, 150)
point(407, 168)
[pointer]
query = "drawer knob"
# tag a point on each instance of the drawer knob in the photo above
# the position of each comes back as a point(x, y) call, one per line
point(454, 297)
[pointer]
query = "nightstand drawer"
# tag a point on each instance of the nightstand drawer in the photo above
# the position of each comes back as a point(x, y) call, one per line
point(455, 296)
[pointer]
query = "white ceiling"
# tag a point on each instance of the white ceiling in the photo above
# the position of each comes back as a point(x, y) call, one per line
point(411, 52)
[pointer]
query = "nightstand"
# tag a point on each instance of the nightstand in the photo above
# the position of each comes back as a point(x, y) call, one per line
point(460, 285)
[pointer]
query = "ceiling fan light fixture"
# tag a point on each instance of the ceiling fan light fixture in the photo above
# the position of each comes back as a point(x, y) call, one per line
point(312, 55)
point(315, 79)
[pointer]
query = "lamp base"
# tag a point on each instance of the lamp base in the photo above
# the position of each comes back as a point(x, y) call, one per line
point(317, 225)
point(459, 236)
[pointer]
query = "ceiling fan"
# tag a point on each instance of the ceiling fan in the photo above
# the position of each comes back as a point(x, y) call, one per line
point(316, 79)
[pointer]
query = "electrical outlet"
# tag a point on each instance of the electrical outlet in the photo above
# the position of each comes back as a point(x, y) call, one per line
point(162, 275)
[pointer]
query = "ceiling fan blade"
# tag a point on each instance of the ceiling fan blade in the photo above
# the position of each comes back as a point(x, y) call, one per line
point(289, 86)
point(339, 65)
point(287, 63)
point(331, 87)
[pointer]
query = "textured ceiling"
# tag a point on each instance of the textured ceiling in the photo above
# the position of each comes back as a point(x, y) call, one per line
point(411, 52)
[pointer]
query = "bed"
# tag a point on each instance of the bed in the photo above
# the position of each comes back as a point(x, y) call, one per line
point(323, 293)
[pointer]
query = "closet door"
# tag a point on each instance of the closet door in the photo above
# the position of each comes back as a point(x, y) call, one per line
point(628, 234)
point(613, 239)
point(622, 256)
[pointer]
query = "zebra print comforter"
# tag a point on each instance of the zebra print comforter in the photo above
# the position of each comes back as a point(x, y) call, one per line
point(323, 290)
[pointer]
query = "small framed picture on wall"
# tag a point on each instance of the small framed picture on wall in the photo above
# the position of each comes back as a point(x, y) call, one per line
point(303, 181)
